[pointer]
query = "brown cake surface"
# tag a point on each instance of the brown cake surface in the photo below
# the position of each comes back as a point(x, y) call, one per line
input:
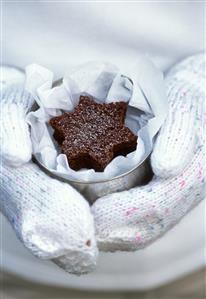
point(93, 134)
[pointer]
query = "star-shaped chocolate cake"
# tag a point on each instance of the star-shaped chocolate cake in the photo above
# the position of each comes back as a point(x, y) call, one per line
point(93, 134)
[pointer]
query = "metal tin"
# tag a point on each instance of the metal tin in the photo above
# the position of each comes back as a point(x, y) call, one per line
point(138, 176)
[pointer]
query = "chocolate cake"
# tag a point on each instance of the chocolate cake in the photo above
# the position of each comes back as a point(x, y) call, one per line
point(93, 134)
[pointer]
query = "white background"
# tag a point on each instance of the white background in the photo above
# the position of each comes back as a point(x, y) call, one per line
point(60, 33)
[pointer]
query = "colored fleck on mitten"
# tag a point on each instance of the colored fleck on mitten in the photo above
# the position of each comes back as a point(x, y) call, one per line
point(132, 219)
point(50, 217)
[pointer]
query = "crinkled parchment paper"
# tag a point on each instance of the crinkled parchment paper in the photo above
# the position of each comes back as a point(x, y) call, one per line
point(142, 87)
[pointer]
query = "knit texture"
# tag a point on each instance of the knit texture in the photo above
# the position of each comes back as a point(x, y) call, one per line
point(132, 219)
point(174, 147)
point(51, 218)
point(15, 140)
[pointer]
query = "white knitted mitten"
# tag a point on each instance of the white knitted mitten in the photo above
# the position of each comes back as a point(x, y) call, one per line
point(51, 218)
point(132, 219)
point(14, 134)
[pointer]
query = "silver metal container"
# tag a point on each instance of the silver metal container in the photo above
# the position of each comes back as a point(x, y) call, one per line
point(138, 176)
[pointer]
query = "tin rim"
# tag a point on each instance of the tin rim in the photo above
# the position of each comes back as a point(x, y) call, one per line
point(56, 83)
point(92, 182)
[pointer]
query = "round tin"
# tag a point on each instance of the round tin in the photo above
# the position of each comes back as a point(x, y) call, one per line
point(92, 190)
point(138, 176)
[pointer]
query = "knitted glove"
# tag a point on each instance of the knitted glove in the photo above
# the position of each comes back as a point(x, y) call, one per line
point(51, 218)
point(132, 219)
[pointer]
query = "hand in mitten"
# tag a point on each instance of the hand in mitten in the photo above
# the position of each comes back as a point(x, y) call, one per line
point(51, 218)
point(132, 219)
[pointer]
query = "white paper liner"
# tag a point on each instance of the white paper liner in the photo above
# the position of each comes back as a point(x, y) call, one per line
point(142, 87)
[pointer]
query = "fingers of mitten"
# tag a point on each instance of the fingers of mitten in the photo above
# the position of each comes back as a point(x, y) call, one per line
point(14, 134)
point(132, 219)
point(179, 134)
point(50, 217)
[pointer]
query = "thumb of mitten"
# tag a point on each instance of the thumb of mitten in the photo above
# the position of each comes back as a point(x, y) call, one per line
point(15, 143)
point(176, 141)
